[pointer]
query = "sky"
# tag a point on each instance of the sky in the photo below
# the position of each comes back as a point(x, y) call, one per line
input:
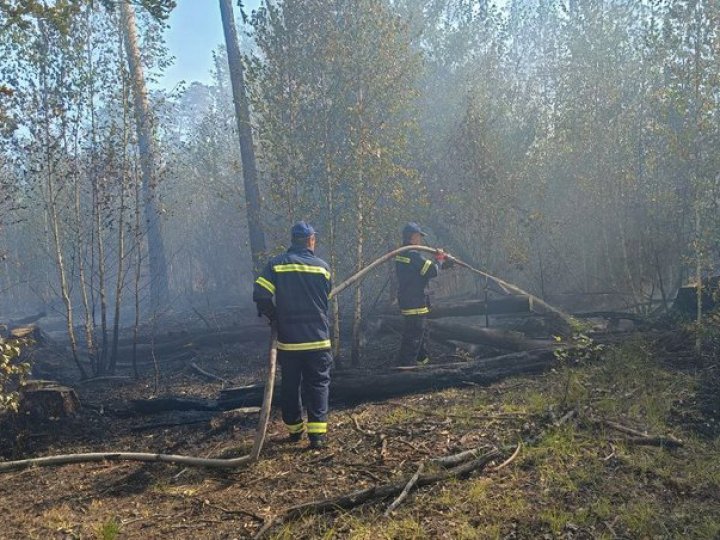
point(195, 30)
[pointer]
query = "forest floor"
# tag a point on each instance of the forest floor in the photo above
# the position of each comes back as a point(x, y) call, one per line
point(575, 478)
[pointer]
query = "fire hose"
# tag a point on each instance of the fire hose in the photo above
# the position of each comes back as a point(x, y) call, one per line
point(261, 431)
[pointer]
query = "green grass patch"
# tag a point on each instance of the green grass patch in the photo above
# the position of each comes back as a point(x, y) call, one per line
point(579, 479)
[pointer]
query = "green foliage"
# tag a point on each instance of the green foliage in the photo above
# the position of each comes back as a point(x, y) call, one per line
point(577, 349)
point(109, 530)
point(334, 106)
point(12, 373)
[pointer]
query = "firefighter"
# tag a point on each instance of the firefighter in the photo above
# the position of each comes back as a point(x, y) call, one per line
point(414, 272)
point(300, 283)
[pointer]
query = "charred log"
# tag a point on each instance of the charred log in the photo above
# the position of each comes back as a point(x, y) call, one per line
point(370, 387)
point(490, 337)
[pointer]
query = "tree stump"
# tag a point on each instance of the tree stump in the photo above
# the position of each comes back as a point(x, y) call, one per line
point(44, 401)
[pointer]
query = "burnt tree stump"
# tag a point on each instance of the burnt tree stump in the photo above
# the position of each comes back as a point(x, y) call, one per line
point(44, 401)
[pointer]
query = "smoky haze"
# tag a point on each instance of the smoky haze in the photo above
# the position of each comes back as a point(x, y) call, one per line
point(569, 147)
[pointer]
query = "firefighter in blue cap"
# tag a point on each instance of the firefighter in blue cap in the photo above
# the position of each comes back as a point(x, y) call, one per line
point(299, 282)
point(414, 272)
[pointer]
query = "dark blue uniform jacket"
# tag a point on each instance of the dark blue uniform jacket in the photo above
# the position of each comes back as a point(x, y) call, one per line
point(300, 283)
point(414, 271)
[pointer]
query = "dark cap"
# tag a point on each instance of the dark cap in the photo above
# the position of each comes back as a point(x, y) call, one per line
point(412, 228)
point(302, 230)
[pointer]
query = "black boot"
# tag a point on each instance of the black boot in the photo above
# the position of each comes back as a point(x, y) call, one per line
point(317, 441)
point(295, 437)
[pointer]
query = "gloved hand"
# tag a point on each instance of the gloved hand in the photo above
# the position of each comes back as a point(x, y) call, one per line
point(266, 308)
point(443, 260)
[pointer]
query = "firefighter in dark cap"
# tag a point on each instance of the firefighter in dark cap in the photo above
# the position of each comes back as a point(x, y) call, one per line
point(299, 283)
point(414, 272)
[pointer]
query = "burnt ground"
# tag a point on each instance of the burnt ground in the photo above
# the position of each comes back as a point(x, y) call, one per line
point(575, 479)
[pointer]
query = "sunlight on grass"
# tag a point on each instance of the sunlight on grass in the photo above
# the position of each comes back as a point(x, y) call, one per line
point(578, 477)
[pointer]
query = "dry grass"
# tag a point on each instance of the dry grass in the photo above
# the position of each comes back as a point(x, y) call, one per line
point(578, 480)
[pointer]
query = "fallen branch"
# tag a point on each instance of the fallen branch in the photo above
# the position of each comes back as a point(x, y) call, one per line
point(207, 374)
point(457, 459)
point(403, 495)
point(105, 378)
point(650, 441)
point(509, 460)
point(191, 461)
point(356, 425)
point(374, 493)
point(638, 437)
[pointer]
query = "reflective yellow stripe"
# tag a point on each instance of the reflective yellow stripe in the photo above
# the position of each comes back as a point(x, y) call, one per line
point(426, 267)
point(400, 258)
point(310, 346)
point(265, 284)
point(418, 311)
point(317, 428)
point(302, 268)
point(295, 428)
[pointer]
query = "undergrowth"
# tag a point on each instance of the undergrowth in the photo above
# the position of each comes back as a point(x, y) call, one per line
point(575, 480)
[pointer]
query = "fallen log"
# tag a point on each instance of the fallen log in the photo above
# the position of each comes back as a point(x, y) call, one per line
point(490, 337)
point(468, 308)
point(182, 419)
point(171, 403)
point(27, 320)
point(380, 386)
point(501, 306)
point(613, 315)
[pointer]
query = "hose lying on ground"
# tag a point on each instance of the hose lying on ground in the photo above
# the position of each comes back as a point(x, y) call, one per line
point(232, 463)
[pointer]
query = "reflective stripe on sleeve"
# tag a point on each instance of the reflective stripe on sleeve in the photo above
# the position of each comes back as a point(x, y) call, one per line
point(295, 428)
point(309, 346)
point(417, 311)
point(306, 268)
point(400, 258)
point(426, 267)
point(317, 428)
point(265, 284)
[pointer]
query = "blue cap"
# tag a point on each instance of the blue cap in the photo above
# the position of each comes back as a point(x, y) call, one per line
point(412, 228)
point(302, 230)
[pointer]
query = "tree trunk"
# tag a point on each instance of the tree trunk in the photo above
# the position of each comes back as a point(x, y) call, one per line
point(54, 217)
point(159, 294)
point(247, 151)
point(357, 312)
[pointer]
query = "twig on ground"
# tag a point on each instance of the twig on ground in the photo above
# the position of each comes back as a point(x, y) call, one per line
point(356, 425)
point(461, 416)
point(509, 460)
point(383, 448)
point(208, 375)
point(413, 446)
point(566, 418)
point(235, 512)
point(643, 438)
point(357, 498)
point(403, 495)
